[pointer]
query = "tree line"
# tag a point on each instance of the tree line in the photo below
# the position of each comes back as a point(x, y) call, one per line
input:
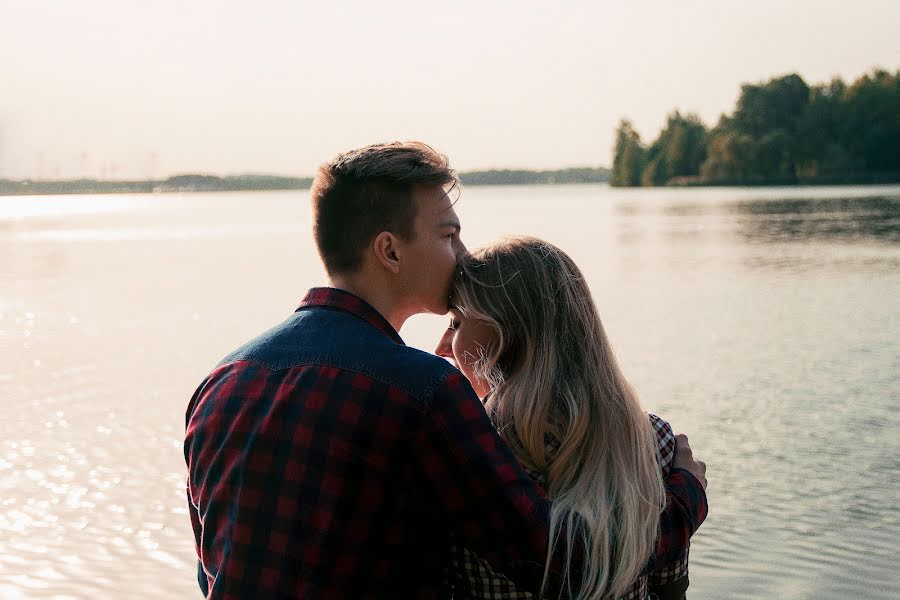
point(781, 132)
point(178, 183)
point(524, 177)
point(213, 183)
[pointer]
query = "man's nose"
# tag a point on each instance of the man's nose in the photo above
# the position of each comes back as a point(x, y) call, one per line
point(461, 251)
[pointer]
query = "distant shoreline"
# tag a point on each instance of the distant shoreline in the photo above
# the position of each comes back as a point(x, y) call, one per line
point(495, 177)
point(256, 183)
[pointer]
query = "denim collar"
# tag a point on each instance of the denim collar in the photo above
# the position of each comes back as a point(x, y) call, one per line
point(336, 299)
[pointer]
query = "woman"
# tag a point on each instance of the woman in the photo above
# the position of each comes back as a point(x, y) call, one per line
point(526, 334)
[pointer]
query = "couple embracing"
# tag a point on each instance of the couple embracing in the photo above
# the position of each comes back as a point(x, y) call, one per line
point(326, 459)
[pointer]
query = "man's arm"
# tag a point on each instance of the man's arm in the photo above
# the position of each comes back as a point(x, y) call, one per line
point(668, 581)
point(496, 509)
point(685, 487)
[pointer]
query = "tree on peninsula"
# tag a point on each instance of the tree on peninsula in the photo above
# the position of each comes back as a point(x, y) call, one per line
point(781, 131)
point(628, 163)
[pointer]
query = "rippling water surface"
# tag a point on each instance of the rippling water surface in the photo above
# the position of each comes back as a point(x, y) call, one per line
point(762, 322)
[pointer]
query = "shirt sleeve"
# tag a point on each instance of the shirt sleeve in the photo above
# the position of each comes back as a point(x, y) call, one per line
point(668, 580)
point(681, 488)
point(665, 443)
point(685, 511)
point(494, 507)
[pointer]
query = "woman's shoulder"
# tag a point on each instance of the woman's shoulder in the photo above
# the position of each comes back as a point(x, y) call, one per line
point(665, 442)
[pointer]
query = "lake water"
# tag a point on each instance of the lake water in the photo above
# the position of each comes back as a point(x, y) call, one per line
point(762, 322)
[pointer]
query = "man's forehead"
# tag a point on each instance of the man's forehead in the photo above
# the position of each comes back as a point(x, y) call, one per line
point(448, 193)
point(437, 202)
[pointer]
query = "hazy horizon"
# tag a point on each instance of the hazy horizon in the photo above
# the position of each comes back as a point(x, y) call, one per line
point(155, 89)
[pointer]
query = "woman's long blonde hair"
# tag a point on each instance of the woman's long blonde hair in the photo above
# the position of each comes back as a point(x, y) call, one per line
point(562, 403)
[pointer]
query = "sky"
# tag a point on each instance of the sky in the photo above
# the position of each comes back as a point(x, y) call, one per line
point(150, 88)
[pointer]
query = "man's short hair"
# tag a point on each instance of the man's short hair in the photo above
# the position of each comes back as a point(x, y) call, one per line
point(363, 192)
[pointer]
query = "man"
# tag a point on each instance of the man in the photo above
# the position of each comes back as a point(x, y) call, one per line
point(326, 459)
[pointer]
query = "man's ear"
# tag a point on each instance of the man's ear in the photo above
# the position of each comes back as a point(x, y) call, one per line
point(386, 251)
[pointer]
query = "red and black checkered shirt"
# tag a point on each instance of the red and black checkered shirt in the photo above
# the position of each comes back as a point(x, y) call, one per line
point(326, 459)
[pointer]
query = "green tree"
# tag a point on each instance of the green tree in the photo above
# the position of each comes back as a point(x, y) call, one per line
point(818, 150)
point(628, 159)
point(729, 155)
point(686, 149)
point(679, 150)
point(870, 124)
point(656, 171)
point(776, 104)
point(760, 141)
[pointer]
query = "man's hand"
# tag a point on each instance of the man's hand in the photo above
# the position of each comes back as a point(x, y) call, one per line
point(684, 459)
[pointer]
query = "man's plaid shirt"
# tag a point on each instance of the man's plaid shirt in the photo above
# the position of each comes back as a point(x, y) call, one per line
point(326, 459)
point(473, 578)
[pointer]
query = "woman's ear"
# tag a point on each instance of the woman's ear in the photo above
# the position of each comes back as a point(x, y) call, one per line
point(386, 251)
